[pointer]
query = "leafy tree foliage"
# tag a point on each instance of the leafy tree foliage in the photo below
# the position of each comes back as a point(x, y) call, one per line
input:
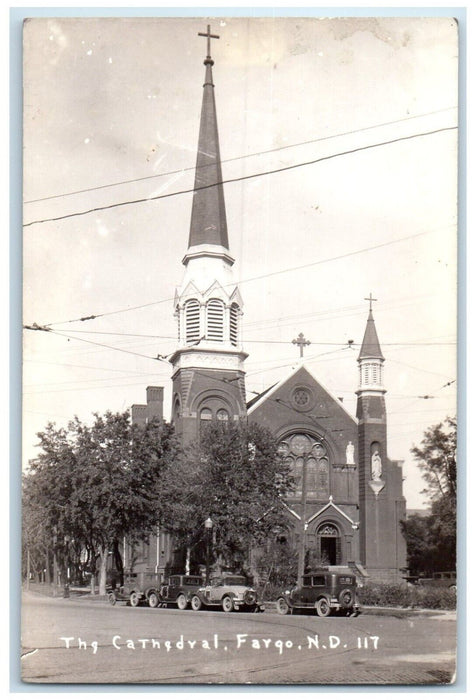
point(436, 457)
point(431, 540)
point(94, 484)
point(235, 476)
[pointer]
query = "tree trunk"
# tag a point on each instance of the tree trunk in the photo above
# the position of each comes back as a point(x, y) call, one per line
point(102, 570)
point(118, 561)
point(47, 570)
point(187, 561)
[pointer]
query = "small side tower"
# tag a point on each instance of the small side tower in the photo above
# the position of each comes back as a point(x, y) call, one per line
point(373, 467)
point(208, 365)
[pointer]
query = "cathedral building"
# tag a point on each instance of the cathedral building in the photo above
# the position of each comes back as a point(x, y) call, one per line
point(348, 503)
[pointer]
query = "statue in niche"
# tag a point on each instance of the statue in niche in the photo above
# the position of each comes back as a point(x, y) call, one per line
point(349, 453)
point(376, 466)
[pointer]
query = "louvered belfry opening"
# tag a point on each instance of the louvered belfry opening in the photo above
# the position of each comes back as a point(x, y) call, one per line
point(215, 320)
point(192, 321)
point(234, 315)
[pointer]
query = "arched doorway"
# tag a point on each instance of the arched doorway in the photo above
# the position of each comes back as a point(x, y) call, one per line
point(329, 544)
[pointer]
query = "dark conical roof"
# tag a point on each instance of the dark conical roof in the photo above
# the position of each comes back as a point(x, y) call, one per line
point(370, 347)
point(208, 222)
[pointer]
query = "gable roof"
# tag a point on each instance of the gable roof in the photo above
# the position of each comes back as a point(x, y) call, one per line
point(268, 393)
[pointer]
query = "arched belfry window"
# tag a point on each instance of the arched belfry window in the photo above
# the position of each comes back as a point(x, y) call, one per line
point(192, 321)
point(222, 415)
point(309, 462)
point(215, 319)
point(234, 320)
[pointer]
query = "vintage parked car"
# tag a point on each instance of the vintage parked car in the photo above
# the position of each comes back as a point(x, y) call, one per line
point(440, 579)
point(138, 588)
point(177, 589)
point(228, 592)
point(323, 591)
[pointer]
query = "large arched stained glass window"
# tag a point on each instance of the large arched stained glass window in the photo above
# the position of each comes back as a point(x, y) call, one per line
point(309, 464)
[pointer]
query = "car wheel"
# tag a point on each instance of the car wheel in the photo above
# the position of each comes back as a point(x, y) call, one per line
point(182, 602)
point(196, 603)
point(153, 600)
point(227, 604)
point(134, 599)
point(323, 608)
point(282, 607)
point(346, 598)
point(112, 598)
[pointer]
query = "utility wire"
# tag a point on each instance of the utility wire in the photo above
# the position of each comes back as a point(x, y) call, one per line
point(272, 342)
point(102, 345)
point(246, 155)
point(259, 277)
point(242, 178)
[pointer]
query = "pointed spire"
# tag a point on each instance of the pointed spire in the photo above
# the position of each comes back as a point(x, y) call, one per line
point(370, 348)
point(208, 222)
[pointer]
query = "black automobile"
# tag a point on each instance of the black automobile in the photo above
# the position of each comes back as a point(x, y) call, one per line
point(323, 591)
point(138, 588)
point(177, 589)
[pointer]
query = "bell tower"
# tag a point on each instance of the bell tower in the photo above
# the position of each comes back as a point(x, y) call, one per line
point(375, 470)
point(208, 364)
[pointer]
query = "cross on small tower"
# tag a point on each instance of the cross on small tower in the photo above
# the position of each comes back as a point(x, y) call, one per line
point(301, 341)
point(371, 299)
point(209, 36)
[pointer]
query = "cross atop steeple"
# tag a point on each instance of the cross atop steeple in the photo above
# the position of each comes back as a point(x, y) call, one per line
point(209, 36)
point(371, 299)
point(301, 342)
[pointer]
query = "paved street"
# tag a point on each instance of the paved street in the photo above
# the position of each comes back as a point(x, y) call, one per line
point(83, 641)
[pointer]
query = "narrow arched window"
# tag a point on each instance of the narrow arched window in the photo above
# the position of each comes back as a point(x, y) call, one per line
point(234, 316)
point(192, 321)
point(205, 416)
point(215, 319)
point(222, 415)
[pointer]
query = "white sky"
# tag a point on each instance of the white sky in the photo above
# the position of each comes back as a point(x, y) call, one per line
point(113, 100)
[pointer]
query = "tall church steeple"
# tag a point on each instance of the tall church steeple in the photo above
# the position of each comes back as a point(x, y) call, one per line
point(208, 229)
point(208, 379)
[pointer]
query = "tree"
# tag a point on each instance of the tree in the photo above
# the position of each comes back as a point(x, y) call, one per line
point(93, 485)
point(431, 541)
point(235, 476)
point(436, 457)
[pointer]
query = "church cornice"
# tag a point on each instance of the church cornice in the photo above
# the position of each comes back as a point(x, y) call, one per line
point(208, 250)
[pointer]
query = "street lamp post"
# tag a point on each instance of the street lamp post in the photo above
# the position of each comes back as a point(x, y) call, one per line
point(208, 530)
point(66, 566)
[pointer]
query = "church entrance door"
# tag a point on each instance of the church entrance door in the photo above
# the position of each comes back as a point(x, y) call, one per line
point(329, 550)
point(329, 544)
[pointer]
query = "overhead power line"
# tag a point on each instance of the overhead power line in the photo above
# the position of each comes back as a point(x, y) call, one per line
point(259, 277)
point(102, 345)
point(241, 178)
point(264, 341)
point(242, 157)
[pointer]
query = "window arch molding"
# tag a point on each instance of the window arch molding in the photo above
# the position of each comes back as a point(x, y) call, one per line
point(214, 401)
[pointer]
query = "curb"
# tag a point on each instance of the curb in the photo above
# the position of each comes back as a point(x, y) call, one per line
point(271, 606)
